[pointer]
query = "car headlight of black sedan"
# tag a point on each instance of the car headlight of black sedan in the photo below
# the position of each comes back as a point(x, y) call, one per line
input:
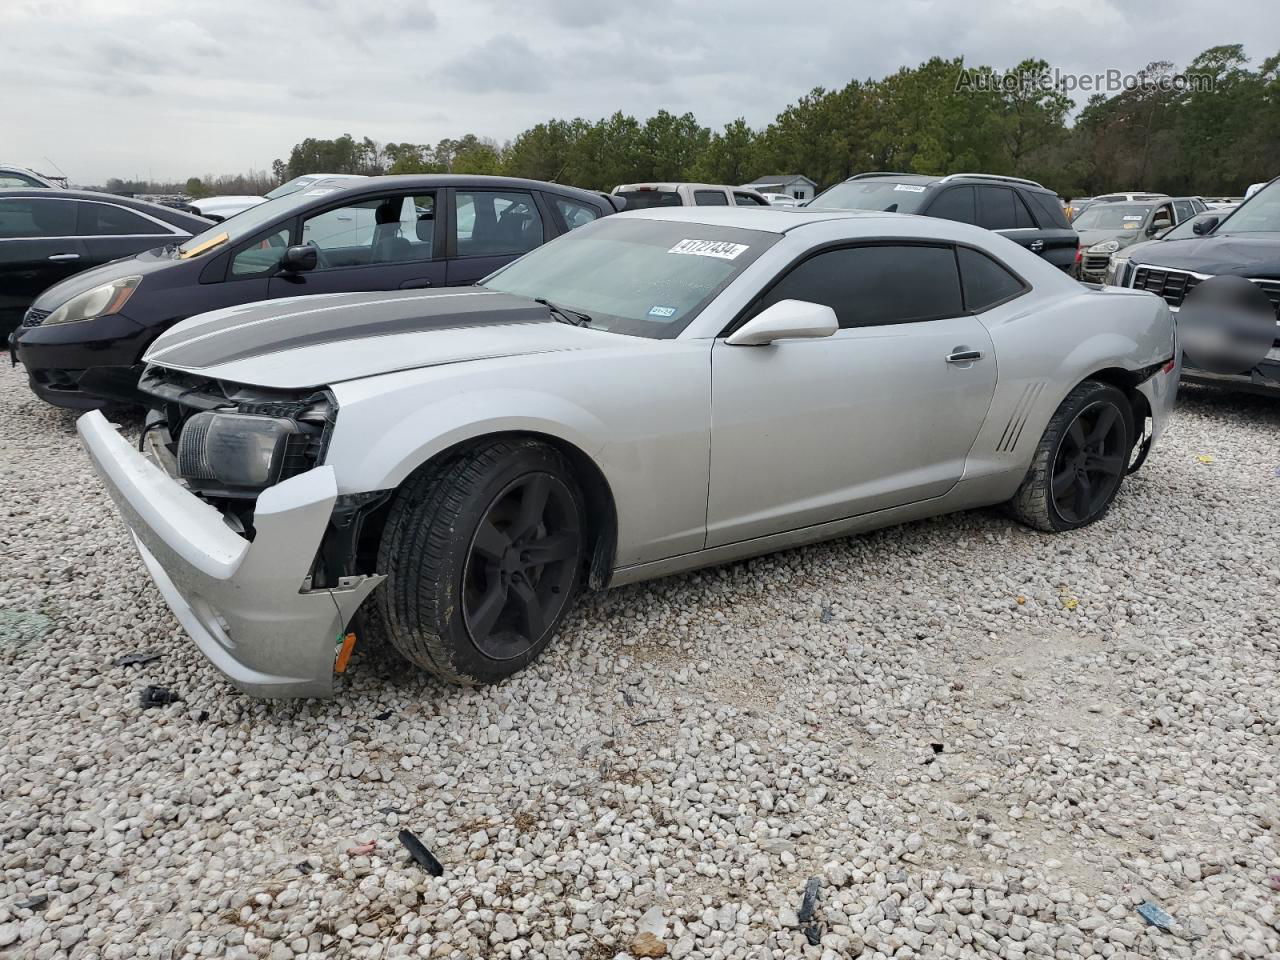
point(99, 302)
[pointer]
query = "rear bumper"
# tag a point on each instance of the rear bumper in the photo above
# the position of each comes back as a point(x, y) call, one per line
point(245, 603)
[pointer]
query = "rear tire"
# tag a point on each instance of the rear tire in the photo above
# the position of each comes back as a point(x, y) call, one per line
point(1079, 463)
point(484, 553)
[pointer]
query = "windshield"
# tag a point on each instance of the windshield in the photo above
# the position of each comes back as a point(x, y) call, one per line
point(249, 222)
point(292, 186)
point(1260, 214)
point(1112, 216)
point(871, 195)
point(644, 199)
point(642, 278)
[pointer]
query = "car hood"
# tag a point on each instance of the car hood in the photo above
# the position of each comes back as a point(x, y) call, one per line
point(1124, 237)
point(1135, 249)
point(135, 266)
point(1243, 255)
point(313, 341)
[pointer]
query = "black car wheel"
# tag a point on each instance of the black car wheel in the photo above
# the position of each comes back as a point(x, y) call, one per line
point(1080, 461)
point(484, 554)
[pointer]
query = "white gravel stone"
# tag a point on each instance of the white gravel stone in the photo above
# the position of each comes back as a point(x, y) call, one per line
point(986, 741)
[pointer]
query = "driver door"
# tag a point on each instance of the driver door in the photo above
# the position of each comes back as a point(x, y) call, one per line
point(881, 414)
point(385, 243)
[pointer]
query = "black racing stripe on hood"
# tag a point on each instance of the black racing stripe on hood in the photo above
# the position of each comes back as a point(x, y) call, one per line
point(288, 327)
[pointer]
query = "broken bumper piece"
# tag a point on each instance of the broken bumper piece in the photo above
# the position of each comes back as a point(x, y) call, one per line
point(245, 603)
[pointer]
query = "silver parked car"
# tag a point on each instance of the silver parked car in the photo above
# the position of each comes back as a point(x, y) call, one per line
point(653, 392)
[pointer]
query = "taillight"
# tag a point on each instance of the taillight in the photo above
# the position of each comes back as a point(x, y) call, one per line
point(1079, 254)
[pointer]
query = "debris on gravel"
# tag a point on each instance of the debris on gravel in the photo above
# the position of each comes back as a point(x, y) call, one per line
point(970, 765)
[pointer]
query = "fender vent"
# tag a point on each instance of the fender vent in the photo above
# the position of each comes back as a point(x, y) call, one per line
point(1022, 409)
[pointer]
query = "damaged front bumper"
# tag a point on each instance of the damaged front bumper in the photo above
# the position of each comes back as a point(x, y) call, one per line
point(247, 604)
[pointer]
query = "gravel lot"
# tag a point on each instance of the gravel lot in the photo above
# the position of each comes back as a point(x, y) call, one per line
point(983, 741)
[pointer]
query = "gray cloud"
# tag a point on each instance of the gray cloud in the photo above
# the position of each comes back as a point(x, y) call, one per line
point(181, 87)
point(504, 64)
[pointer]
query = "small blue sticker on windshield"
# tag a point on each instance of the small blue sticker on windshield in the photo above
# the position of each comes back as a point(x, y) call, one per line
point(662, 311)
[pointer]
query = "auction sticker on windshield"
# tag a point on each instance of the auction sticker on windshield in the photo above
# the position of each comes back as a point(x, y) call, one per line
point(663, 312)
point(908, 187)
point(720, 249)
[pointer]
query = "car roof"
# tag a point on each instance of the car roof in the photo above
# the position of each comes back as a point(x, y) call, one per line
point(928, 180)
point(764, 219)
point(672, 185)
point(918, 178)
point(408, 181)
point(168, 214)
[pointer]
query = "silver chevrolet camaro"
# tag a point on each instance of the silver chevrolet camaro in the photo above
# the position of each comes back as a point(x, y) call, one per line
point(654, 391)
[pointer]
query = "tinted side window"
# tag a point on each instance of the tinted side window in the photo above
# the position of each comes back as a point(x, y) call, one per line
point(575, 214)
point(986, 282)
point(1047, 210)
point(28, 217)
point(710, 198)
point(261, 255)
point(1183, 209)
point(108, 220)
point(1021, 215)
point(747, 200)
point(954, 203)
point(491, 223)
point(18, 180)
point(872, 286)
point(995, 208)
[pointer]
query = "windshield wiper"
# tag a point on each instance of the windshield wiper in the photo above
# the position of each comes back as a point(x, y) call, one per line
point(563, 315)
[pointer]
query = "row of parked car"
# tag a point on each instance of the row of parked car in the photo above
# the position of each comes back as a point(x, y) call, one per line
point(79, 317)
point(686, 375)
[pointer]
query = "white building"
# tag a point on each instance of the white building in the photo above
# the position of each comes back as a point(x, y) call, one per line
point(795, 185)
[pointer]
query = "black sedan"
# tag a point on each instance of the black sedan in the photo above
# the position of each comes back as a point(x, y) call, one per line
point(82, 341)
point(47, 235)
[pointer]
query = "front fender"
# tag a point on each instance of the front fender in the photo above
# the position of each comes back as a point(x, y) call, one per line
point(640, 412)
point(374, 452)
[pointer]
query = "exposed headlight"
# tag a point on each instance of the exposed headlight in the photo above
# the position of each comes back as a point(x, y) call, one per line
point(233, 449)
point(98, 302)
point(1106, 246)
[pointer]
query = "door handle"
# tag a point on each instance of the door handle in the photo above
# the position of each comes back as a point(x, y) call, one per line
point(415, 284)
point(60, 257)
point(1037, 246)
point(964, 356)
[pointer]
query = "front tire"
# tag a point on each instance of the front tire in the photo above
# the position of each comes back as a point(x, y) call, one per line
point(1079, 463)
point(484, 554)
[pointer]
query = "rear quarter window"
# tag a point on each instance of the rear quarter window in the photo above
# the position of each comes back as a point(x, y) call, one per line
point(710, 198)
point(1047, 210)
point(645, 199)
point(986, 283)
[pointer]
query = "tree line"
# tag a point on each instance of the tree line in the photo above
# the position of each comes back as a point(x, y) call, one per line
point(1211, 138)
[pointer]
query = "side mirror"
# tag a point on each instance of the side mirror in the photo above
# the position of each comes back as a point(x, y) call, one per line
point(1156, 228)
point(300, 258)
point(786, 320)
point(1201, 227)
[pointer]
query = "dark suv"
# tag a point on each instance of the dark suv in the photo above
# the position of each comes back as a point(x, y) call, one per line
point(1243, 243)
point(1022, 210)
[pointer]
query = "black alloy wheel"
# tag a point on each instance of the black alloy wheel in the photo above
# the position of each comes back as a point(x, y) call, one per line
point(1090, 463)
point(1080, 460)
point(484, 551)
point(521, 566)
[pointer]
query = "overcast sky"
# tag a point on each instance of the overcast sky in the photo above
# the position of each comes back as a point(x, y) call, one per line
point(173, 88)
